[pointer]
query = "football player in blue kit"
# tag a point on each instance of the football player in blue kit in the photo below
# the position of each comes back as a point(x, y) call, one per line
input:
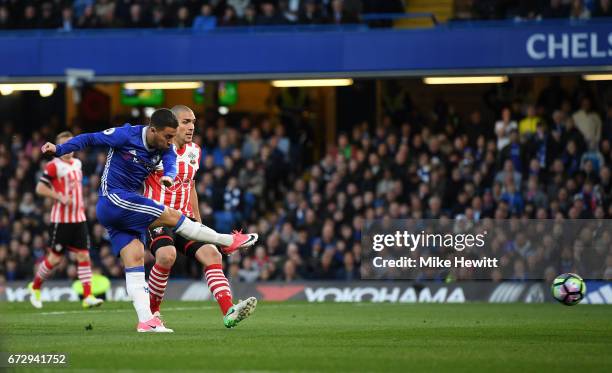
point(134, 152)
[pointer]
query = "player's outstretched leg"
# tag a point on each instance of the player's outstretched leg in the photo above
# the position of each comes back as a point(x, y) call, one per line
point(132, 256)
point(84, 273)
point(219, 287)
point(165, 257)
point(45, 268)
point(200, 233)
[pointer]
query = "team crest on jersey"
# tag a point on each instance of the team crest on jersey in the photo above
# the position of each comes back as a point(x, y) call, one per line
point(192, 158)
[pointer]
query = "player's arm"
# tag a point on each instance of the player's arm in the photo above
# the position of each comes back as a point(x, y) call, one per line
point(112, 137)
point(169, 162)
point(44, 187)
point(195, 204)
point(44, 190)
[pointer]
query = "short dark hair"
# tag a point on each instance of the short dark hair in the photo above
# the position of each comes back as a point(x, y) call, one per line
point(163, 118)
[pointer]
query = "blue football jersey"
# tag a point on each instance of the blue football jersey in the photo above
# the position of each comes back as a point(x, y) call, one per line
point(129, 160)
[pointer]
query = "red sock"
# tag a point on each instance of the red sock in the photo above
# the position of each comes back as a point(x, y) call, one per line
point(44, 270)
point(158, 279)
point(219, 287)
point(84, 271)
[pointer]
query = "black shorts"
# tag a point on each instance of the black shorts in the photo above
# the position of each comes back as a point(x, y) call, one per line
point(161, 236)
point(71, 236)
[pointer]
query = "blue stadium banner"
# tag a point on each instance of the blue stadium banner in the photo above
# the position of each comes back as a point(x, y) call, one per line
point(248, 53)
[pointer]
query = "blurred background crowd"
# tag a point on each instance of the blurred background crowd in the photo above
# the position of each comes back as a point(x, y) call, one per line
point(67, 15)
point(549, 158)
point(200, 14)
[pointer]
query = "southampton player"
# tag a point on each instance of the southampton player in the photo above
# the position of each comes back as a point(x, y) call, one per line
point(182, 196)
point(135, 152)
point(62, 182)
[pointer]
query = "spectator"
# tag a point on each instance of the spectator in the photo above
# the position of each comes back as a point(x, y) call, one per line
point(556, 9)
point(289, 271)
point(5, 18)
point(29, 20)
point(183, 18)
point(80, 5)
point(310, 14)
point(534, 195)
point(251, 179)
point(339, 15)
point(248, 272)
point(229, 18)
point(475, 127)
point(588, 122)
point(289, 11)
point(324, 269)
point(504, 127)
point(250, 16)
point(579, 11)
point(557, 129)
point(48, 19)
point(591, 161)
point(88, 19)
point(206, 20)
point(603, 8)
point(348, 272)
point(68, 21)
point(232, 195)
point(136, 18)
point(159, 19)
point(269, 15)
point(574, 134)
point(105, 11)
point(513, 152)
point(509, 173)
point(527, 126)
point(539, 146)
point(571, 158)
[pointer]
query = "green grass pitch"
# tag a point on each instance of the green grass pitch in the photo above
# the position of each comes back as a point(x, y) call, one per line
point(321, 337)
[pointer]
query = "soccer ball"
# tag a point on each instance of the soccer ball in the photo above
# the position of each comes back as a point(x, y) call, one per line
point(568, 288)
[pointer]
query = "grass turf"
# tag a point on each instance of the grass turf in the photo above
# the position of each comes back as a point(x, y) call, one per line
point(321, 337)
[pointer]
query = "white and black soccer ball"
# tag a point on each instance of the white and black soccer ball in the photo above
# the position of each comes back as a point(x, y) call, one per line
point(568, 288)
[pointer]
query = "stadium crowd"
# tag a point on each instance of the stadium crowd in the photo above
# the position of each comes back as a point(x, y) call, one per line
point(532, 9)
point(67, 15)
point(551, 159)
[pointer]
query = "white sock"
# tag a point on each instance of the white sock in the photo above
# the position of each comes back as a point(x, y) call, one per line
point(137, 289)
point(201, 233)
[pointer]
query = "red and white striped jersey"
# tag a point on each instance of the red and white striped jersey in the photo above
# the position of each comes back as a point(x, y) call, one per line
point(66, 178)
point(178, 195)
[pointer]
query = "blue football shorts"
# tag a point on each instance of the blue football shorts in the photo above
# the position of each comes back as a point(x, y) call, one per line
point(127, 216)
